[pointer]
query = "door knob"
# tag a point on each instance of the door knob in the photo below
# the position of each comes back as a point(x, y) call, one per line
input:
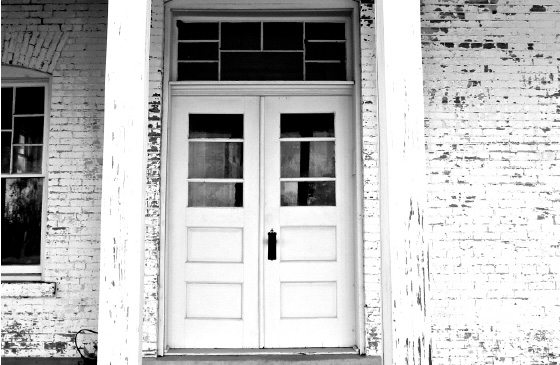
point(272, 245)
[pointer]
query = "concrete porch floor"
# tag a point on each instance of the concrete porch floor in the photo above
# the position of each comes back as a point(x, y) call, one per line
point(216, 360)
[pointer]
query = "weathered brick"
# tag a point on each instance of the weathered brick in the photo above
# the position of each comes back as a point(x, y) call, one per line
point(487, 70)
point(37, 326)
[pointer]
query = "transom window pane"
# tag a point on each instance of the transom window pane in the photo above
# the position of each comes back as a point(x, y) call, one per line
point(307, 160)
point(240, 36)
point(197, 31)
point(262, 66)
point(237, 51)
point(215, 161)
point(283, 36)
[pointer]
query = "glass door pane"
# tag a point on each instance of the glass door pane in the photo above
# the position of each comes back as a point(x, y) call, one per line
point(215, 167)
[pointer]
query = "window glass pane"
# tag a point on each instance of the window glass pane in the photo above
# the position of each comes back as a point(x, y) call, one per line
point(216, 160)
point(27, 159)
point(30, 100)
point(306, 125)
point(262, 66)
point(325, 31)
point(307, 193)
point(207, 51)
point(241, 36)
point(215, 125)
point(6, 148)
point(282, 36)
point(28, 130)
point(328, 51)
point(21, 221)
point(325, 71)
point(197, 31)
point(7, 94)
point(197, 71)
point(307, 159)
point(212, 194)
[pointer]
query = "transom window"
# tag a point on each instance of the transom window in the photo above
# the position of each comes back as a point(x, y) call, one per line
point(277, 50)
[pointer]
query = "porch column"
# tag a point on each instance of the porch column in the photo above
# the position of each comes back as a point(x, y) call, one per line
point(124, 181)
point(404, 251)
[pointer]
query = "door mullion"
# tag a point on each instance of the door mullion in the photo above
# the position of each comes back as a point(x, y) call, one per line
point(262, 186)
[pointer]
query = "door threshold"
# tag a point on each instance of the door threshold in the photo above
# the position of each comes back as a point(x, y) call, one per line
point(282, 351)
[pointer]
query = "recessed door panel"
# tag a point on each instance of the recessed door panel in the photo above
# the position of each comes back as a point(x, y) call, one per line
point(214, 244)
point(315, 299)
point(308, 243)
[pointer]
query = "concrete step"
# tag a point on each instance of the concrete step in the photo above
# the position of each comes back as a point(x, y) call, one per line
point(264, 359)
point(216, 360)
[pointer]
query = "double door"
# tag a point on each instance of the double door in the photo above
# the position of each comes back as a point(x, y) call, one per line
point(242, 172)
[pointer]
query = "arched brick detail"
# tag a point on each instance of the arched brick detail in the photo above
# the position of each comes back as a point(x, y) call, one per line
point(35, 50)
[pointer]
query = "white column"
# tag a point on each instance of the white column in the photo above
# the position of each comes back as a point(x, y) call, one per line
point(124, 181)
point(404, 251)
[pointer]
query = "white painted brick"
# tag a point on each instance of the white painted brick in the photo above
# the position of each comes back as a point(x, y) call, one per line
point(45, 326)
point(500, 254)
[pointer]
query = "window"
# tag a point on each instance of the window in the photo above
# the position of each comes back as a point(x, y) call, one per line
point(288, 48)
point(24, 140)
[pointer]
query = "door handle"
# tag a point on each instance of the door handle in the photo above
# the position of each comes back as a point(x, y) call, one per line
point(272, 245)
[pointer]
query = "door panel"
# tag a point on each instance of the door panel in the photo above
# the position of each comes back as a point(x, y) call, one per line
point(308, 200)
point(213, 223)
point(214, 190)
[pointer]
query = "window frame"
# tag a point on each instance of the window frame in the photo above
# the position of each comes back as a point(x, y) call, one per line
point(19, 77)
point(303, 16)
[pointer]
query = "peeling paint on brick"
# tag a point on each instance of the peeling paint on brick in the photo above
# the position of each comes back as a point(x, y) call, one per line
point(153, 186)
point(491, 200)
point(33, 49)
point(370, 156)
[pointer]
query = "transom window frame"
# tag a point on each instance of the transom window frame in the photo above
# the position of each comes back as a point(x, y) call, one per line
point(20, 77)
point(319, 16)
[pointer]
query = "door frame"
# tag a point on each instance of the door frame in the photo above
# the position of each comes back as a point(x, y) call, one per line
point(262, 89)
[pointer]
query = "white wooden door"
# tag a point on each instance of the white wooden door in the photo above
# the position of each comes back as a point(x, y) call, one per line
point(309, 289)
point(220, 148)
point(213, 223)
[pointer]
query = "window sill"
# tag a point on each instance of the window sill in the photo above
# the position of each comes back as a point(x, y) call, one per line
point(32, 289)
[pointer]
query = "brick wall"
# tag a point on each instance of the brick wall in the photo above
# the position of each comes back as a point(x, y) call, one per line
point(492, 96)
point(67, 40)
